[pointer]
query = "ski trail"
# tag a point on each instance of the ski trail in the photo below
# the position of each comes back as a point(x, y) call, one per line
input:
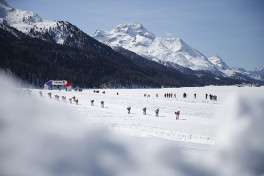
point(143, 131)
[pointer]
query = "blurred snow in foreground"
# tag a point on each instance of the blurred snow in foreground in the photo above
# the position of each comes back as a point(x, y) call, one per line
point(42, 139)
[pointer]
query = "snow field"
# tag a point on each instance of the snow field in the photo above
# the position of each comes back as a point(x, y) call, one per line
point(42, 136)
point(197, 123)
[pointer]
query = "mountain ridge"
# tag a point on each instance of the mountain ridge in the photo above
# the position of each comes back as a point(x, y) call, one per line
point(173, 52)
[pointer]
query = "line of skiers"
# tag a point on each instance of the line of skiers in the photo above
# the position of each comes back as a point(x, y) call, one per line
point(212, 97)
point(73, 99)
point(144, 109)
point(169, 95)
point(57, 97)
point(102, 105)
point(184, 95)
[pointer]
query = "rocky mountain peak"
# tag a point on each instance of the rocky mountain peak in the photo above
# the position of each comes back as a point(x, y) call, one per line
point(217, 60)
point(133, 30)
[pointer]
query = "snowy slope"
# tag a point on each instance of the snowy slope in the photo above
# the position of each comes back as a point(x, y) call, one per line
point(136, 38)
point(221, 65)
point(216, 60)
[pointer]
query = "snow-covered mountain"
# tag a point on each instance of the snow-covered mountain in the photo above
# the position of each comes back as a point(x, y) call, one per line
point(258, 71)
point(236, 71)
point(27, 22)
point(257, 75)
point(217, 61)
point(136, 38)
point(60, 32)
point(221, 65)
point(172, 52)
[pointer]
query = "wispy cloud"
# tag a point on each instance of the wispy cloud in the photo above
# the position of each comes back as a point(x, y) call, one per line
point(168, 34)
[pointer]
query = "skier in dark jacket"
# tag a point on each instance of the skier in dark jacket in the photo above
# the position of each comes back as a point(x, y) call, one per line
point(144, 110)
point(157, 112)
point(102, 104)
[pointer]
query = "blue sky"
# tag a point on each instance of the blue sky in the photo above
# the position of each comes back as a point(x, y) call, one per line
point(231, 29)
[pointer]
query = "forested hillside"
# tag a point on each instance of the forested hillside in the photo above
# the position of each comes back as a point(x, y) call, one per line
point(37, 61)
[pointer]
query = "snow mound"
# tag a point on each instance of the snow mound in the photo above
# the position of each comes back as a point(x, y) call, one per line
point(241, 136)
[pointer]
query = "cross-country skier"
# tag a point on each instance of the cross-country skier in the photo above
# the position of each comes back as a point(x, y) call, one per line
point(144, 110)
point(102, 104)
point(157, 112)
point(177, 115)
point(128, 109)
